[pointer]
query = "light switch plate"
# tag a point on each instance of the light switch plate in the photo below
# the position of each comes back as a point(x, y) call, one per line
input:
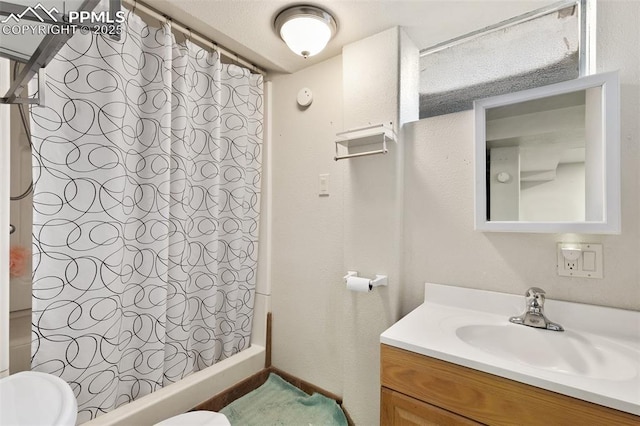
point(323, 181)
point(588, 265)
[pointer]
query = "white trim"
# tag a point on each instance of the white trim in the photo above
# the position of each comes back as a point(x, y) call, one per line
point(611, 223)
point(4, 219)
point(587, 26)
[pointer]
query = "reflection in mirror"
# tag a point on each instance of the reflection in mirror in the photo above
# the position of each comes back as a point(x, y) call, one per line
point(536, 159)
point(548, 158)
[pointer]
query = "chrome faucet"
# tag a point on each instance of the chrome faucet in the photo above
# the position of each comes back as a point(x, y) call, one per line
point(534, 314)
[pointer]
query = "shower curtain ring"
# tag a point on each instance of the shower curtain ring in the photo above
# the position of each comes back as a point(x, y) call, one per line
point(135, 4)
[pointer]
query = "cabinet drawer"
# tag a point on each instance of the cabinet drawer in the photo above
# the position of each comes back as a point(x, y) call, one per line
point(487, 398)
point(397, 409)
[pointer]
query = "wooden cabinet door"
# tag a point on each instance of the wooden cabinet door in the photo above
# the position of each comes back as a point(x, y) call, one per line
point(487, 398)
point(397, 409)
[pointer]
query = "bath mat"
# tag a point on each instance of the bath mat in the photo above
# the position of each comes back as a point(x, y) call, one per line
point(277, 402)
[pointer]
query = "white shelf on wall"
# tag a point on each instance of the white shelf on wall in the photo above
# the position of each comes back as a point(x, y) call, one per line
point(364, 141)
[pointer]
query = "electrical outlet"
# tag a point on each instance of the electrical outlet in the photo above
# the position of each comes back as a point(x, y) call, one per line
point(570, 265)
point(580, 260)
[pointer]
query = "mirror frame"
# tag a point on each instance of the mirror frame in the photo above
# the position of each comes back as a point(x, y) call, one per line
point(611, 222)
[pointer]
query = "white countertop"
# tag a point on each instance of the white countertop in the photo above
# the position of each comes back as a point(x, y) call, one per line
point(431, 330)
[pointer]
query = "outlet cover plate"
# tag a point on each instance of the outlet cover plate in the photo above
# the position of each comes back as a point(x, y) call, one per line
point(593, 268)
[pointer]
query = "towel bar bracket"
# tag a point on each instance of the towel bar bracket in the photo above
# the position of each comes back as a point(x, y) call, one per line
point(364, 141)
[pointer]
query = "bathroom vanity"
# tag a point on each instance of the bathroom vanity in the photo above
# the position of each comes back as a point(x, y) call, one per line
point(418, 389)
point(456, 360)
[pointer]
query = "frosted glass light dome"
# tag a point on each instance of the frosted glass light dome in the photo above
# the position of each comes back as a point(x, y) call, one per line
point(305, 29)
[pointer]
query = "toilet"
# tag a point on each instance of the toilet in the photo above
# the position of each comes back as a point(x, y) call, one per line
point(196, 418)
point(33, 398)
point(39, 399)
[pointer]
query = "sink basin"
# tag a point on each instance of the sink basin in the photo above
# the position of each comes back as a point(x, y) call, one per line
point(567, 352)
point(596, 358)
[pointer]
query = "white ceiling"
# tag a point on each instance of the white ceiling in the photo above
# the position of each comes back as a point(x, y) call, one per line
point(246, 26)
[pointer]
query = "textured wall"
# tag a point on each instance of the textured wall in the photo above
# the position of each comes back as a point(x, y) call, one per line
point(440, 244)
point(320, 331)
point(307, 245)
point(372, 215)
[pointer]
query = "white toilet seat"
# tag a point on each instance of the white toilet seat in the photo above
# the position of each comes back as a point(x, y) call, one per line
point(196, 418)
point(34, 398)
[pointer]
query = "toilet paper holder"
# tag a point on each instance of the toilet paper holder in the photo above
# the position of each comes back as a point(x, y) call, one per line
point(379, 280)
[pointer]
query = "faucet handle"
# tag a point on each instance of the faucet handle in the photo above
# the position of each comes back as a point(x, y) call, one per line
point(533, 316)
point(535, 297)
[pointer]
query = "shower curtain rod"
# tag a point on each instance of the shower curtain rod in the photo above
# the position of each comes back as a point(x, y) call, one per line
point(193, 35)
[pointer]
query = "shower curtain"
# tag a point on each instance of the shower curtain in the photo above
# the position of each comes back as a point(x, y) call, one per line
point(146, 204)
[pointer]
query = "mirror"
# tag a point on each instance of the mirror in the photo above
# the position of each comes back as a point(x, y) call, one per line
point(548, 159)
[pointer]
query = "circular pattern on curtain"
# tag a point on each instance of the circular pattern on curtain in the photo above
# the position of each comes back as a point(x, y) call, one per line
point(147, 160)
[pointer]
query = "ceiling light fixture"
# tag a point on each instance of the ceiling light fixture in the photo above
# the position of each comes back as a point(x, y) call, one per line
point(305, 29)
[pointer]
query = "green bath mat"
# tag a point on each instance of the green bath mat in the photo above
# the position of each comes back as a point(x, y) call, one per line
point(277, 402)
